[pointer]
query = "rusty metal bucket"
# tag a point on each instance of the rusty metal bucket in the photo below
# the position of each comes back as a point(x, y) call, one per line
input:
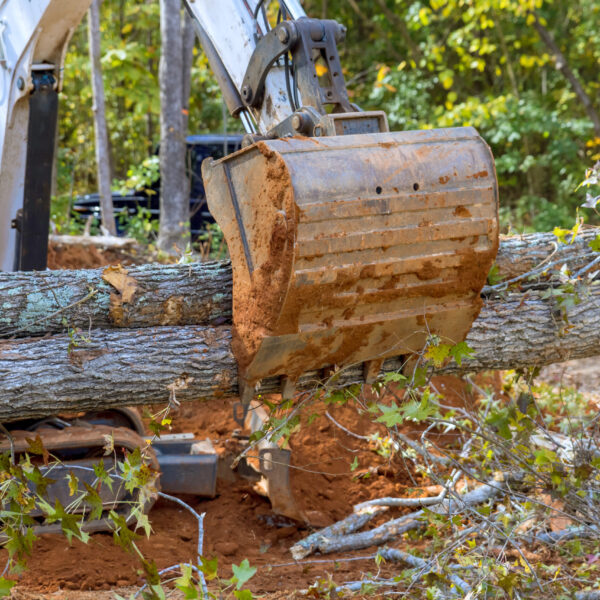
point(354, 248)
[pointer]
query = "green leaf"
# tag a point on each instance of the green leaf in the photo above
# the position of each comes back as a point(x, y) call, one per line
point(36, 446)
point(122, 535)
point(354, 464)
point(242, 573)
point(5, 586)
point(154, 592)
point(391, 415)
point(437, 353)
point(418, 411)
point(446, 78)
point(543, 456)
point(102, 475)
point(37, 478)
point(186, 583)
point(460, 351)
point(243, 594)
point(70, 523)
point(394, 378)
point(500, 420)
point(93, 500)
point(209, 567)
point(595, 244)
point(73, 483)
point(143, 522)
point(494, 276)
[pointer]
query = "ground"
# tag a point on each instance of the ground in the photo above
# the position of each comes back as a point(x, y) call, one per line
point(239, 522)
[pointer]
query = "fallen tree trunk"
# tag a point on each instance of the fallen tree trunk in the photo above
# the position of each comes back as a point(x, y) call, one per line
point(55, 301)
point(154, 361)
point(152, 365)
point(519, 254)
point(100, 241)
point(196, 294)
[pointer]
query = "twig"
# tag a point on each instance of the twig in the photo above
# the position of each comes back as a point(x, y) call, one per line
point(571, 533)
point(404, 502)
point(415, 562)
point(350, 433)
point(175, 568)
point(588, 595)
point(585, 269)
point(322, 541)
point(420, 563)
point(419, 449)
point(350, 524)
point(200, 519)
point(535, 271)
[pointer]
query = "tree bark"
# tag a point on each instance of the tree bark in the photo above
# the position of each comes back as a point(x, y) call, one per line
point(173, 234)
point(57, 301)
point(519, 254)
point(100, 127)
point(188, 39)
point(140, 366)
point(99, 367)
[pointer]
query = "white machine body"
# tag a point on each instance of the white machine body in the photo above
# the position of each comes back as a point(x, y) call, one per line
point(34, 34)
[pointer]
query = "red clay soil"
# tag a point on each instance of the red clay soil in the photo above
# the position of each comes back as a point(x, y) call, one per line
point(86, 257)
point(239, 522)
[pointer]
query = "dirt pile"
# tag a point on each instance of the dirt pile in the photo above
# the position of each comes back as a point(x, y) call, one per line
point(332, 471)
point(239, 522)
point(79, 256)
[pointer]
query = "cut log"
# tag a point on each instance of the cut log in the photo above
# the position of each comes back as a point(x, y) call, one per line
point(55, 301)
point(102, 365)
point(100, 241)
point(520, 254)
point(197, 294)
point(121, 367)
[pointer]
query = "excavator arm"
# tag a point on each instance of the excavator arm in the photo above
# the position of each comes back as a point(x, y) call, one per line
point(34, 37)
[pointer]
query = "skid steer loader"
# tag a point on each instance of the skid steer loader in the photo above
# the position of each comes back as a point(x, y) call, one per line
point(349, 243)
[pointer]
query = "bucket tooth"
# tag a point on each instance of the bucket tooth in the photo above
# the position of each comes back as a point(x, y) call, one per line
point(247, 393)
point(351, 247)
point(371, 370)
point(288, 388)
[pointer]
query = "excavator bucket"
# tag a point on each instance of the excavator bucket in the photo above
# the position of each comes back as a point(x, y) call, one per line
point(353, 248)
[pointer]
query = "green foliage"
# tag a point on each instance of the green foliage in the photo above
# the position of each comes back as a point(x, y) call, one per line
point(130, 56)
point(139, 226)
point(442, 63)
point(242, 573)
point(435, 63)
point(211, 244)
point(141, 177)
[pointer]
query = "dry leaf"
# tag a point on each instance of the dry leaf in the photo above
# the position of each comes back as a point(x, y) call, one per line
point(118, 277)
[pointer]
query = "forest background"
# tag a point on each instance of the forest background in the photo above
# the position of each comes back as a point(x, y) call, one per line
point(525, 73)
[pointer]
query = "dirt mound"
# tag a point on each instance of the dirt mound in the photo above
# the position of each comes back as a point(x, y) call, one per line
point(239, 522)
point(332, 470)
point(79, 256)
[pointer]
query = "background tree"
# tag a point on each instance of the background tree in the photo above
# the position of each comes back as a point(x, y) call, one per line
point(174, 199)
point(100, 126)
